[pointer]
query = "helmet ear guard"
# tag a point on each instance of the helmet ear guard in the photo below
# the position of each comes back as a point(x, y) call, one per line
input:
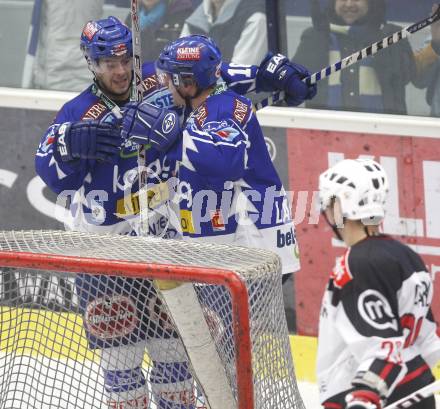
point(361, 185)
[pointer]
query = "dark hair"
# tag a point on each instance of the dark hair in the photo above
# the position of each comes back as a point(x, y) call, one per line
point(374, 18)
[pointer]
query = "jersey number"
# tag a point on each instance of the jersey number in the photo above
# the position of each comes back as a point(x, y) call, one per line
point(237, 69)
point(393, 356)
point(409, 322)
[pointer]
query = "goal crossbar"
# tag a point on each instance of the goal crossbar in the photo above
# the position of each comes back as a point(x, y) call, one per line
point(194, 323)
point(227, 278)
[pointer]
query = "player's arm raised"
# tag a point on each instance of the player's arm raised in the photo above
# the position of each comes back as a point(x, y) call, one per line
point(275, 73)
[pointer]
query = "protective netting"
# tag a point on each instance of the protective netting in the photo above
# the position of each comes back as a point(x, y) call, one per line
point(81, 340)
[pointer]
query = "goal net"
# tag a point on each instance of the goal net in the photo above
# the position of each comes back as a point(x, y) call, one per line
point(93, 321)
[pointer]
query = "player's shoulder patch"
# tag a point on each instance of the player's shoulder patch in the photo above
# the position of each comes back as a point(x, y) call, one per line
point(201, 114)
point(150, 83)
point(242, 110)
point(228, 104)
point(94, 111)
point(341, 273)
point(47, 143)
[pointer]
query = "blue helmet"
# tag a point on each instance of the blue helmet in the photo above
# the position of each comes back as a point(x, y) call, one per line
point(106, 38)
point(194, 56)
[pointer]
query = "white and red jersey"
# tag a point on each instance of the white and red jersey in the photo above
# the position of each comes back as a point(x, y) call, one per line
point(376, 327)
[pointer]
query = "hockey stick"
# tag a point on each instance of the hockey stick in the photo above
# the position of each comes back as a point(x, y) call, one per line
point(136, 95)
point(32, 42)
point(355, 57)
point(416, 396)
point(181, 298)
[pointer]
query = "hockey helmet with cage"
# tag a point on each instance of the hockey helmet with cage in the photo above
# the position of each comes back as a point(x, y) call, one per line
point(107, 37)
point(194, 58)
point(361, 185)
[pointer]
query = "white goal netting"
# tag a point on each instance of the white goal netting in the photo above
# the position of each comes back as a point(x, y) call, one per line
point(83, 324)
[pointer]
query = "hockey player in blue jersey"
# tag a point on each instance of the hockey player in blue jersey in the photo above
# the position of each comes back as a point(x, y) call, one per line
point(232, 193)
point(83, 157)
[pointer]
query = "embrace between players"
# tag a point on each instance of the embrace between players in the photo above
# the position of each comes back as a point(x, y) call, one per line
point(210, 173)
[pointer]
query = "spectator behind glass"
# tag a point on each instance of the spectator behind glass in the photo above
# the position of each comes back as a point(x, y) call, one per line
point(161, 21)
point(237, 26)
point(375, 84)
point(428, 61)
point(59, 63)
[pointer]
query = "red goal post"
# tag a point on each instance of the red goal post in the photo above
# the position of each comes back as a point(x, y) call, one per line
point(262, 374)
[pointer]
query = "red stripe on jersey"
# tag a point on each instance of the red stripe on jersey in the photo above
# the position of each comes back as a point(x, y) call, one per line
point(414, 374)
point(386, 370)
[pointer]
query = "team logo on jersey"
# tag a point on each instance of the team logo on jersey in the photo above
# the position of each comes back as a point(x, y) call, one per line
point(188, 54)
point(111, 317)
point(168, 122)
point(201, 115)
point(222, 129)
point(90, 29)
point(376, 311)
point(95, 111)
point(217, 220)
point(149, 82)
point(423, 293)
point(240, 110)
point(48, 141)
point(341, 274)
point(228, 134)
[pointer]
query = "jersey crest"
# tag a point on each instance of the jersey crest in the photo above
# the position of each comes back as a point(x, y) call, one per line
point(240, 111)
point(95, 111)
point(150, 83)
point(341, 274)
point(201, 115)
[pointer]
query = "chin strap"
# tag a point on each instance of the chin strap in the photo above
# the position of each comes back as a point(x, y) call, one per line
point(333, 227)
point(109, 103)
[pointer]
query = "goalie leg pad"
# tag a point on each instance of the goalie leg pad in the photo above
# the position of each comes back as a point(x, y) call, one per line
point(171, 381)
point(124, 382)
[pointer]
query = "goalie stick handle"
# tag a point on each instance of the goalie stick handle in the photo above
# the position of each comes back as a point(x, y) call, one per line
point(355, 57)
point(416, 396)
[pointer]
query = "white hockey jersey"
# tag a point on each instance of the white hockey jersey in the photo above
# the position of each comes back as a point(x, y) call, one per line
point(376, 328)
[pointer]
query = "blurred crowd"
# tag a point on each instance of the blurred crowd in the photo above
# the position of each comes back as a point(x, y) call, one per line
point(336, 29)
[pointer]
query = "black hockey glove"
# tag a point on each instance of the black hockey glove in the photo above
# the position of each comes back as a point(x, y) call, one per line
point(363, 399)
point(276, 72)
point(146, 124)
point(87, 140)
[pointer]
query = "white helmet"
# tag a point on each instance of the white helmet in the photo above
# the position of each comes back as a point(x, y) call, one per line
point(361, 185)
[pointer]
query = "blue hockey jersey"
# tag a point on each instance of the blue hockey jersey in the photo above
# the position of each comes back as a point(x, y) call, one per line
point(228, 190)
point(103, 196)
